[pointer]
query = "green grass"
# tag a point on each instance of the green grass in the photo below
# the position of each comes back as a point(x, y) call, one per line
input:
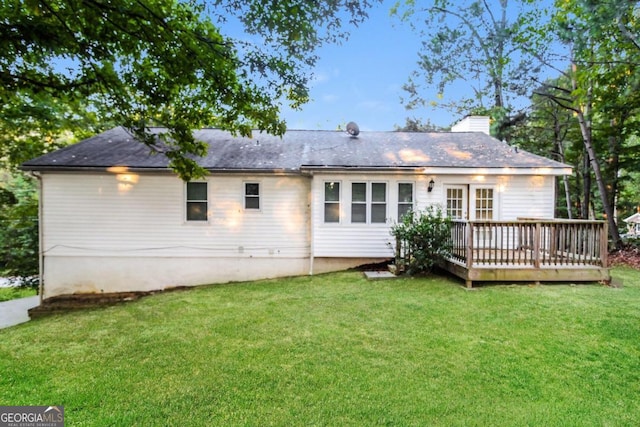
point(339, 350)
point(7, 294)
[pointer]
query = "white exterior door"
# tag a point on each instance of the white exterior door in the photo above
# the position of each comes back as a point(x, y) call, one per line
point(457, 201)
point(472, 202)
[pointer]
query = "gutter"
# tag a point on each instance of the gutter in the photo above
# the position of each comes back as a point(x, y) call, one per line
point(163, 170)
point(440, 170)
point(37, 176)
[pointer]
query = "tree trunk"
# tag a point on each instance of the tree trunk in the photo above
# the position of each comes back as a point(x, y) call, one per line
point(585, 129)
point(586, 186)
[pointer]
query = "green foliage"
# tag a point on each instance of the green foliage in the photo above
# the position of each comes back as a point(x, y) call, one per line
point(67, 65)
point(600, 90)
point(15, 292)
point(483, 45)
point(19, 230)
point(425, 238)
point(417, 125)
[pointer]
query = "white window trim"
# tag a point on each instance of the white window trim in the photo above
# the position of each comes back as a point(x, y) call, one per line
point(496, 201)
point(186, 200)
point(339, 202)
point(413, 197)
point(465, 208)
point(369, 203)
point(244, 195)
point(365, 203)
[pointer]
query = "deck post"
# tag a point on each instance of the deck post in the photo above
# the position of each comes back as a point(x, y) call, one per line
point(469, 253)
point(604, 244)
point(536, 246)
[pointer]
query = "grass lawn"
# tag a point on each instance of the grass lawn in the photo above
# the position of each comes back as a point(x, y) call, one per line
point(337, 349)
point(7, 294)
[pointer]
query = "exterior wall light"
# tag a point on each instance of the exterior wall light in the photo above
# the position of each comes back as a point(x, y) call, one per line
point(431, 184)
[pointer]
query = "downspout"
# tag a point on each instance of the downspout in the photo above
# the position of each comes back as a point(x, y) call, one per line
point(37, 176)
point(312, 224)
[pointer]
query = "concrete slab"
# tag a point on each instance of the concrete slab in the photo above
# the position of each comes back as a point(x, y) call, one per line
point(16, 311)
point(376, 275)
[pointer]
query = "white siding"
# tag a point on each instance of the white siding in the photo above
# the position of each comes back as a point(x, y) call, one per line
point(528, 197)
point(104, 233)
point(94, 214)
point(345, 239)
point(514, 196)
point(108, 232)
point(473, 124)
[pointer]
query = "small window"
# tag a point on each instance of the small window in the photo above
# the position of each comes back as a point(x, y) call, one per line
point(405, 199)
point(197, 201)
point(358, 202)
point(331, 202)
point(252, 195)
point(378, 202)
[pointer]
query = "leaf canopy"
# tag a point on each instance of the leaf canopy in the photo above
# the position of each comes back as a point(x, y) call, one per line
point(82, 65)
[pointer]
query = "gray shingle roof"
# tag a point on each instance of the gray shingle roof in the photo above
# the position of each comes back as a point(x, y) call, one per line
point(299, 149)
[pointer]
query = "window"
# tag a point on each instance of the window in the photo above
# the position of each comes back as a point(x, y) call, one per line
point(331, 202)
point(455, 203)
point(484, 203)
point(358, 202)
point(378, 202)
point(376, 206)
point(251, 195)
point(405, 199)
point(197, 202)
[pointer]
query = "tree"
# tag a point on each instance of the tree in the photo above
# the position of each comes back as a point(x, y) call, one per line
point(417, 125)
point(550, 131)
point(478, 43)
point(19, 229)
point(65, 64)
point(602, 93)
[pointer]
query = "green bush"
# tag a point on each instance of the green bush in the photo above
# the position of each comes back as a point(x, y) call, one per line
point(19, 229)
point(425, 238)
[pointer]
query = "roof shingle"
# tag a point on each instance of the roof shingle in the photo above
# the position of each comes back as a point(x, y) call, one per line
point(299, 149)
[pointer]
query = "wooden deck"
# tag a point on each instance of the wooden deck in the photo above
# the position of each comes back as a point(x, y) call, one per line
point(529, 250)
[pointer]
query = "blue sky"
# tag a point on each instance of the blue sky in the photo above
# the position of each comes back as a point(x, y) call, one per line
point(361, 80)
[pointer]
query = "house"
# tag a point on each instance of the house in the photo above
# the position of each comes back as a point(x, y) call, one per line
point(633, 224)
point(114, 218)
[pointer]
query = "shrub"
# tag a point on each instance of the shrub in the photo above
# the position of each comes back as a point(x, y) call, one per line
point(425, 238)
point(19, 230)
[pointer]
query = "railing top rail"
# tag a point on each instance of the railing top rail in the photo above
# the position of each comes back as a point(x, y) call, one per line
point(529, 221)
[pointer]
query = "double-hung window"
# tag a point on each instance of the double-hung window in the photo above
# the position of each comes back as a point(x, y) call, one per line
point(405, 199)
point(251, 195)
point(331, 202)
point(197, 201)
point(359, 202)
point(368, 202)
point(378, 202)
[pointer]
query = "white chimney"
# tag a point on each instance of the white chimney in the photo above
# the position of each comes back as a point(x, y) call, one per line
point(473, 124)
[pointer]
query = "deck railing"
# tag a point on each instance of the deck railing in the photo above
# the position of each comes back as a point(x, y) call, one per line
point(533, 243)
